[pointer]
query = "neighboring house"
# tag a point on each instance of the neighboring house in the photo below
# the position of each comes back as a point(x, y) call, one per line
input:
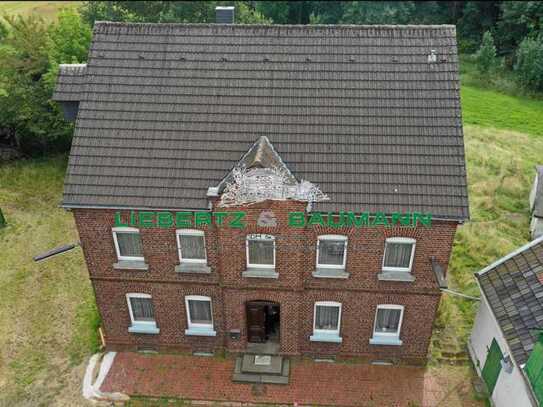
point(536, 203)
point(165, 116)
point(504, 341)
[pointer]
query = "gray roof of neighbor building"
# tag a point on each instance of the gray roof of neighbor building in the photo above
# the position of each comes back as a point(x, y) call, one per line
point(515, 295)
point(538, 201)
point(70, 85)
point(169, 109)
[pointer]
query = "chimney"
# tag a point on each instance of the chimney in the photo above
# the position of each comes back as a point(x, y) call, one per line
point(224, 14)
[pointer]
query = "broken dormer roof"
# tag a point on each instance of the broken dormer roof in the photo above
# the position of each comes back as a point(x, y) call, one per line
point(360, 111)
point(260, 155)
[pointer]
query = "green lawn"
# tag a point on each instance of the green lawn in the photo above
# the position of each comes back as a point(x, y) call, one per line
point(489, 108)
point(46, 9)
point(48, 318)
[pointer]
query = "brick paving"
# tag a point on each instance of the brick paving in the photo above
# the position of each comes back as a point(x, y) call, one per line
point(311, 383)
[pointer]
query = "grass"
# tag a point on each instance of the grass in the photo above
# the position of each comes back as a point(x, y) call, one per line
point(490, 108)
point(48, 318)
point(46, 9)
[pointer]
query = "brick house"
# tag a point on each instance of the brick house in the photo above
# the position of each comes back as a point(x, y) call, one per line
point(164, 114)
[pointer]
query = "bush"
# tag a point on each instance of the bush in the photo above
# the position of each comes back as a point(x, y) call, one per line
point(486, 56)
point(529, 66)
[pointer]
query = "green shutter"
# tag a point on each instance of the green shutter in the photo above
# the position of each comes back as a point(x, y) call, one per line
point(534, 370)
point(493, 366)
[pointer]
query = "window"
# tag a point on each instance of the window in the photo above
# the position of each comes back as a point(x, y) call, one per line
point(199, 316)
point(387, 325)
point(326, 322)
point(260, 251)
point(191, 246)
point(399, 254)
point(142, 314)
point(128, 244)
point(331, 251)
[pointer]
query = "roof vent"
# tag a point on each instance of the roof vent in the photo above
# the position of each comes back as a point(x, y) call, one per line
point(432, 57)
point(224, 15)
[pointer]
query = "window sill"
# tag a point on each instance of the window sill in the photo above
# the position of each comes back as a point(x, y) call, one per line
point(330, 273)
point(377, 340)
point(200, 332)
point(332, 338)
point(131, 265)
point(195, 268)
point(396, 276)
point(144, 329)
point(255, 272)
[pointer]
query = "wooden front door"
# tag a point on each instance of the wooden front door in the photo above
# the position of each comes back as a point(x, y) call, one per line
point(256, 322)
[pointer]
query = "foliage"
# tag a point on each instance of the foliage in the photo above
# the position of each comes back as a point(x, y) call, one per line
point(477, 17)
point(518, 20)
point(486, 56)
point(166, 12)
point(30, 53)
point(378, 12)
point(529, 66)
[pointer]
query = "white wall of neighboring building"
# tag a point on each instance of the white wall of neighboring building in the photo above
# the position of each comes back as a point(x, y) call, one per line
point(536, 227)
point(533, 192)
point(511, 389)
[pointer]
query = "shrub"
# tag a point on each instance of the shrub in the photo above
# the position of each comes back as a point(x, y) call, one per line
point(529, 65)
point(486, 56)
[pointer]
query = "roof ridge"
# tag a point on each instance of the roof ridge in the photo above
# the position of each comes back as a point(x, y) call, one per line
point(273, 26)
point(509, 256)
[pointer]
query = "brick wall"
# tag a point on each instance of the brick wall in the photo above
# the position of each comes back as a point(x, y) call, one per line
point(295, 290)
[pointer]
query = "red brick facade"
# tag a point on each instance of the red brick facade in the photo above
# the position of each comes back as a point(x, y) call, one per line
point(296, 290)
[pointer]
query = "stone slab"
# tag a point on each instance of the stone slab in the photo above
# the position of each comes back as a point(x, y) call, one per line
point(248, 365)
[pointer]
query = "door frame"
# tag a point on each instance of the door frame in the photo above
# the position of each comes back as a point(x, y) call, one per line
point(261, 303)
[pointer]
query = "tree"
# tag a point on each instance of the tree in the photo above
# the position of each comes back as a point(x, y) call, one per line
point(486, 56)
point(477, 18)
point(68, 43)
point(377, 12)
point(529, 65)
point(29, 56)
point(518, 20)
point(167, 11)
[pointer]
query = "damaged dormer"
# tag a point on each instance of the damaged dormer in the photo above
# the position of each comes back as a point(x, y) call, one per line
point(70, 88)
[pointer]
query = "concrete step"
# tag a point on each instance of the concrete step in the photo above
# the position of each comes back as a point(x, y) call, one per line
point(274, 370)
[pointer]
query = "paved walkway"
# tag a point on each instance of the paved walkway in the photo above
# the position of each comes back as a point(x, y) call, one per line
point(339, 384)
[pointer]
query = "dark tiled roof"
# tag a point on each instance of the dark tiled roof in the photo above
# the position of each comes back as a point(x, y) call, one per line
point(70, 85)
point(515, 295)
point(357, 110)
point(538, 201)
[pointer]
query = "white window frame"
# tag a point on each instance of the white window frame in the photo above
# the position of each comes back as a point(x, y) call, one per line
point(400, 240)
point(192, 325)
point(388, 334)
point(135, 321)
point(332, 237)
point(190, 232)
point(259, 237)
point(115, 241)
point(334, 332)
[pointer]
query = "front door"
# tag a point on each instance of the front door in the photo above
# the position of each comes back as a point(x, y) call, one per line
point(256, 322)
